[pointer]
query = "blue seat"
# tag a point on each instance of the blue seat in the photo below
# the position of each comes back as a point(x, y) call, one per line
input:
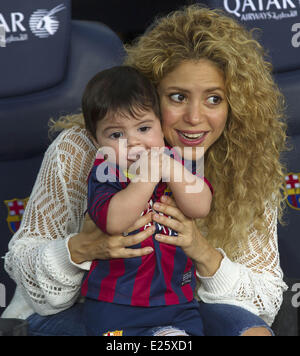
point(289, 241)
point(46, 60)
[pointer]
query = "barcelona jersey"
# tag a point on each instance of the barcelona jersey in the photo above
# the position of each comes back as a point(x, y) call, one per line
point(164, 277)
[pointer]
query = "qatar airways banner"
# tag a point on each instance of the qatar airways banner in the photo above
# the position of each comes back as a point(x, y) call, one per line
point(279, 21)
point(34, 44)
point(251, 10)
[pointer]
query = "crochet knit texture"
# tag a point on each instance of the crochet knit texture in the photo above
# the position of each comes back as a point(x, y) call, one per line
point(48, 281)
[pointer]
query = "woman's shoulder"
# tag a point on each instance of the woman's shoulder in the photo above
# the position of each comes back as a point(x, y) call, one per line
point(73, 139)
point(72, 144)
point(72, 151)
point(75, 135)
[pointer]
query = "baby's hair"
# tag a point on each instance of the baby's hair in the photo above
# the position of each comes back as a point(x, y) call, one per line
point(119, 90)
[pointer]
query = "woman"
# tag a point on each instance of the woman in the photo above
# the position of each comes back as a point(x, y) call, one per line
point(216, 92)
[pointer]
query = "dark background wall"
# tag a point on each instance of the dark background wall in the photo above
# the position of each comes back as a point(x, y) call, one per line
point(128, 18)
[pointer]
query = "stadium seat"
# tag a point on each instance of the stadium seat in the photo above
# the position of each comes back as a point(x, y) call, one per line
point(46, 59)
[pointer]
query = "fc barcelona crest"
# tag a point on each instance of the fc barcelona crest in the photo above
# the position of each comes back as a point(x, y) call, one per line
point(15, 209)
point(114, 333)
point(292, 183)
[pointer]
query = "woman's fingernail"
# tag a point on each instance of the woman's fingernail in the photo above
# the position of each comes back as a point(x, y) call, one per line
point(156, 205)
point(149, 249)
point(163, 198)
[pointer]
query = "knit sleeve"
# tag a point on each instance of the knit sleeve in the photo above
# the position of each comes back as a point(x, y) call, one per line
point(253, 279)
point(38, 256)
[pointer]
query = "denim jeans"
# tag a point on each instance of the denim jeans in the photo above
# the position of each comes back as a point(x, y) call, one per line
point(180, 319)
point(228, 320)
point(218, 320)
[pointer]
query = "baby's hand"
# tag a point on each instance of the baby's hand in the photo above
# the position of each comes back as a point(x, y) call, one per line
point(166, 166)
point(147, 168)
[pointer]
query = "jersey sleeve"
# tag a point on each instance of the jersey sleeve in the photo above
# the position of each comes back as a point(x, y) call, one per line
point(103, 184)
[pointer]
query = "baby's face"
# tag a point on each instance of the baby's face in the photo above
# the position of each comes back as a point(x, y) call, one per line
point(129, 136)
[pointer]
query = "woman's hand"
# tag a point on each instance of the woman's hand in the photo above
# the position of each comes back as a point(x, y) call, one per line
point(91, 243)
point(196, 247)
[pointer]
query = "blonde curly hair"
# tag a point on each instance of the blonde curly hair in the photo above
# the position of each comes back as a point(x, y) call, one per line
point(244, 164)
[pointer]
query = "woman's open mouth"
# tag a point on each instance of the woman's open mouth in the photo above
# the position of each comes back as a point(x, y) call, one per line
point(192, 138)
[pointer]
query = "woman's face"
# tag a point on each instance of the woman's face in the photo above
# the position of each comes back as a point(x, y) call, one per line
point(193, 105)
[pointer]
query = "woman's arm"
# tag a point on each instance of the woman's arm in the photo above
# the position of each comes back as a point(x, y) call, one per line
point(42, 254)
point(93, 244)
point(253, 280)
point(38, 257)
point(206, 258)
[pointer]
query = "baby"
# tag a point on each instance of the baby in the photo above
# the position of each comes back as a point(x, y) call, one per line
point(133, 169)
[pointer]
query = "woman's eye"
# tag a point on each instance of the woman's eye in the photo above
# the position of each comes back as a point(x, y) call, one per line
point(144, 128)
point(116, 135)
point(179, 98)
point(215, 99)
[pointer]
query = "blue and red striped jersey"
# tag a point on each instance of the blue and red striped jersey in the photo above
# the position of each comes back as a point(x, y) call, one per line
point(165, 277)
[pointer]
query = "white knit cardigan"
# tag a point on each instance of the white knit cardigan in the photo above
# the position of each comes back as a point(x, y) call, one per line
point(38, 259)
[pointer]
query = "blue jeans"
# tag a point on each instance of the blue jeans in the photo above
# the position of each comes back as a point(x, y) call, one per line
point(101, 317)
point(218, 320)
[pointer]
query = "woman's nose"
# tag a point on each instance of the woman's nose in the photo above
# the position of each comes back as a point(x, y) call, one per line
point(195, 114)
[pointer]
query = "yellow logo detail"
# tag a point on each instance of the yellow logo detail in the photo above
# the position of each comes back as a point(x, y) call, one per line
point(114, 333)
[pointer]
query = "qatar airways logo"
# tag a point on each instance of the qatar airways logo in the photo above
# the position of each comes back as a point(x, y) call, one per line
point(43, 23)
point(251, 10)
